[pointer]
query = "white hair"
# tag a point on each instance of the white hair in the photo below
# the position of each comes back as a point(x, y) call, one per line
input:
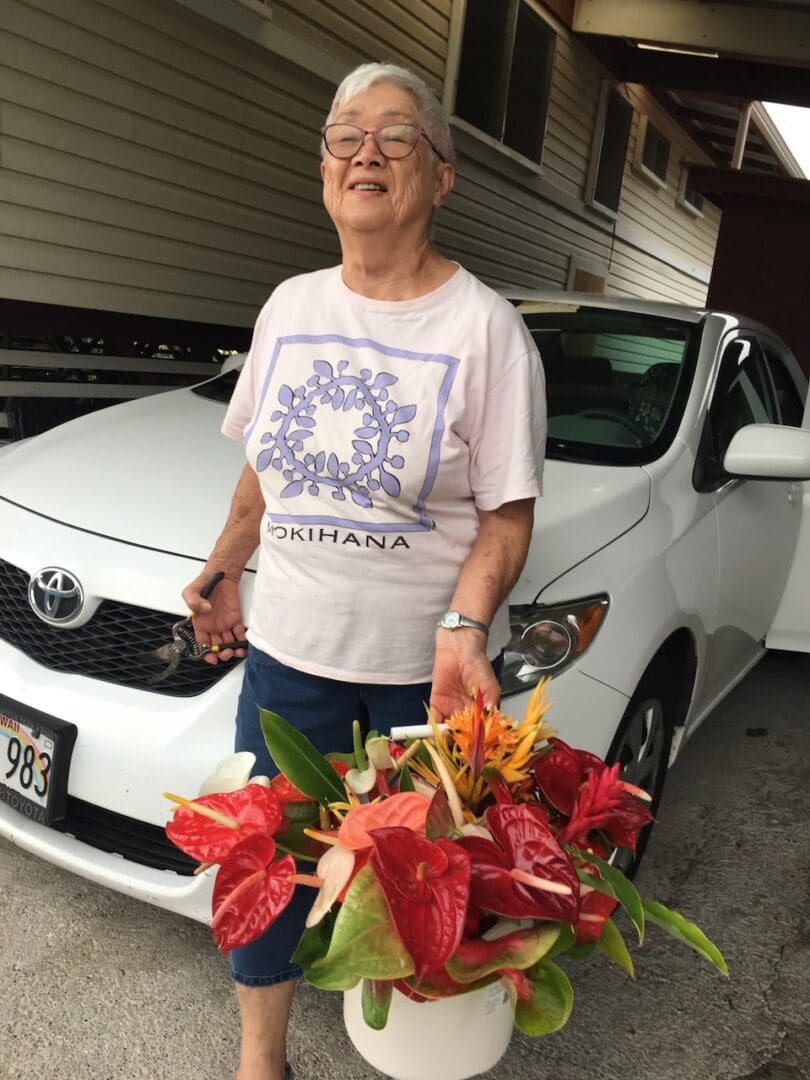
point(431, 111)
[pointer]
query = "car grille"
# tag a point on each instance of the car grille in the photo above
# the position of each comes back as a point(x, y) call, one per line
point(107, 647)
point(134, 840)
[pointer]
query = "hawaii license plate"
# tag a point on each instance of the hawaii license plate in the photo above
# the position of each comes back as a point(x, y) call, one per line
point(35, 752)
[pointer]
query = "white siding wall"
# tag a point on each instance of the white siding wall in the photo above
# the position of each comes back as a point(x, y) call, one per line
point(154, 162)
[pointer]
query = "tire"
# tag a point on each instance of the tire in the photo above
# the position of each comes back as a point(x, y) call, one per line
point(642, 745)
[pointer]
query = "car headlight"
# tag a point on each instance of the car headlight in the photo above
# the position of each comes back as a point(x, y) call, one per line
point(546, 639)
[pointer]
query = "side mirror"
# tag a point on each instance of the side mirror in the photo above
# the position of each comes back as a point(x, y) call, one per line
point(234, 361)
point(769, 452)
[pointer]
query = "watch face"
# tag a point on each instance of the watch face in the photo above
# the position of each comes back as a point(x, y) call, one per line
point(451, 621)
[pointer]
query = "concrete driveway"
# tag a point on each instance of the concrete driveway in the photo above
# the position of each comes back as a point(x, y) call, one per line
point(98, 987)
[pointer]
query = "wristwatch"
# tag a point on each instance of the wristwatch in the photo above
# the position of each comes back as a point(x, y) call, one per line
point(454, 620)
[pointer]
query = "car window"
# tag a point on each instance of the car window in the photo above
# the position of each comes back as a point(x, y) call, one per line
point(616, 381)
point(741, 396)
point(788, 398)
point(220, 388)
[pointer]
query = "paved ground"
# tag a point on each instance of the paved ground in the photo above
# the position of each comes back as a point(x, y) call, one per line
point(98, 987)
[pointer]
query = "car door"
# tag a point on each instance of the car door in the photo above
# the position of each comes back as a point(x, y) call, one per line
point(757, 520)
point(790, 628)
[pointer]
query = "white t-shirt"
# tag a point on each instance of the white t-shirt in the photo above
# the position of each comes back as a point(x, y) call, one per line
point(377, 428)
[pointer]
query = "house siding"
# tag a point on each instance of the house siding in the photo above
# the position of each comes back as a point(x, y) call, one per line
point(156, 163)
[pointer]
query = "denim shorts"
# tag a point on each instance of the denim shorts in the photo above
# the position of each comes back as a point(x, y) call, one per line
point(323, 709)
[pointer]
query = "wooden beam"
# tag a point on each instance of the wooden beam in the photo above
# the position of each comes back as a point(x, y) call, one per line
point(747, 79)
point(744, 29)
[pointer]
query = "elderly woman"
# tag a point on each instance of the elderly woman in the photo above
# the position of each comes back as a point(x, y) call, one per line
point(393, 416)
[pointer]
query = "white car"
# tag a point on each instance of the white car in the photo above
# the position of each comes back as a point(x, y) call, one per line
point(662, 561)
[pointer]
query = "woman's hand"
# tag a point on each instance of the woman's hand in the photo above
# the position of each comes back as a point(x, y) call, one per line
point(460, 666)
point(217, 619)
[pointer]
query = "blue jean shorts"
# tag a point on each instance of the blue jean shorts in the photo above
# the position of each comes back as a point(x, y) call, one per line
point(323, 709)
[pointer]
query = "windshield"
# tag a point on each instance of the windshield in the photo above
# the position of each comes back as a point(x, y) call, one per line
point(616, 381)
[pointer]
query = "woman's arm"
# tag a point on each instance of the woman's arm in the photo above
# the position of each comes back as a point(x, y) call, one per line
point(220, 618)
point(486, 579)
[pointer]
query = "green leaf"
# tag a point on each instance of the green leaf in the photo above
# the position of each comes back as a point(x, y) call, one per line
point(676, 925)
point(344, 759)
point(406, 780)
point(565, 941)
point(300, 812)
point(376, 998)
point(312, 946)
point(359, 752)
point(624, 891)
point(295, 841)
point(364, 942)
point(300, 762)
point(475, 959)
point(551, 1002)
point(611, 943)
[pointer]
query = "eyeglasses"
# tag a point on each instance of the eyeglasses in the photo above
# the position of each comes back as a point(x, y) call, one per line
point(394, 141)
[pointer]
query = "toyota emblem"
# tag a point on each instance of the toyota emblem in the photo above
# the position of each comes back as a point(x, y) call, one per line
point(55, 595)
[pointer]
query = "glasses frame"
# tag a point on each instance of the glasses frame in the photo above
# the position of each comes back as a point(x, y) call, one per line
point(375, 132)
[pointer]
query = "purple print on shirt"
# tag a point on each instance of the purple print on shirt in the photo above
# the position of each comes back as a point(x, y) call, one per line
point(348, 432)
point(381, 429)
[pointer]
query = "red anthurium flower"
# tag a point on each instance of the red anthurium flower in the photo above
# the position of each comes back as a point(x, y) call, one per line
point(595, 909)
point(287, 791)
point(406, 808)
point(250, 892)
point(522, 873)
point(256, 809)
point(559, 774)
point(427, 887)
point(604, 803)
point(523, 988)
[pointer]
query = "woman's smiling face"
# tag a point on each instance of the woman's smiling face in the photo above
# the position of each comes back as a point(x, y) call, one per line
point(368, 192)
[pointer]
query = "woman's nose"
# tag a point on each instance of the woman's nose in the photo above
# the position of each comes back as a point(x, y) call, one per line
point(368, 152)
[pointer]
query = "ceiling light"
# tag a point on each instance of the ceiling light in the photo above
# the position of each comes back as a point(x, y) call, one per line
point(654, 47)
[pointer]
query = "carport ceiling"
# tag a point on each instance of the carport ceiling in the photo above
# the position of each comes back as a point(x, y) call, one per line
point(706, 59)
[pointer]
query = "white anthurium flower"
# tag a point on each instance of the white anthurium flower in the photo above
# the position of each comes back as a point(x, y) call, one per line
point(232, 773)
point(505, 926)
point(262, 781)
point(423, 787)
point(361, 782)
point(335, 868)
point(469, 829)
point(379, 753)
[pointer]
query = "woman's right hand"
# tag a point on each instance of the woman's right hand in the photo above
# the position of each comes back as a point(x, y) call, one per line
point(217, 619)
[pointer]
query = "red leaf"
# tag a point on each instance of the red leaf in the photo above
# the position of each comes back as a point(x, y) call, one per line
point(250, 892)
point(427, 887)
point(256, 808)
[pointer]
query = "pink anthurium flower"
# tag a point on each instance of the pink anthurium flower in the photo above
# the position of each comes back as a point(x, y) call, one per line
point(335, 869)
point(406, 808)
point(250, 892)
point(427, 888)
point(254, 809)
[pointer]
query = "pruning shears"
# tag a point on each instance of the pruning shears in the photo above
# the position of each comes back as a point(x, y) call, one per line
point(184, 644)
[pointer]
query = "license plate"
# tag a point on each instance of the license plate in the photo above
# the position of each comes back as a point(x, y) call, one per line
point(35, 752)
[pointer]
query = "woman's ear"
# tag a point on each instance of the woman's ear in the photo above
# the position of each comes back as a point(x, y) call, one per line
point(445, 179)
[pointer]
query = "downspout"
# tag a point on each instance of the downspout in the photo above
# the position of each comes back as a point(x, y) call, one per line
point(742, 135)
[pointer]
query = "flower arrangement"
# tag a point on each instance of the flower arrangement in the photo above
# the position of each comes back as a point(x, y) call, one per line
point(477, 851)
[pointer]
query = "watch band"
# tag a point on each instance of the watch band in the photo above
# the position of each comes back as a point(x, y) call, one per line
point(454, 620)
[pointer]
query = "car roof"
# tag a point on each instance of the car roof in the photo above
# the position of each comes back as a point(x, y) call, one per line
point(563, 299)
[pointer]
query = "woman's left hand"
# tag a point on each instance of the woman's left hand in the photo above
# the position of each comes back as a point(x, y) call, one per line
point(461, 666)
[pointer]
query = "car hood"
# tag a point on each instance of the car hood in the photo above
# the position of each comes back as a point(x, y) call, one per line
point(583, 509)
point(154, 472)
point(158, 473)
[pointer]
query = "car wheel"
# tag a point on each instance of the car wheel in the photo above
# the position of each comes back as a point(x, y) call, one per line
point(642, 746)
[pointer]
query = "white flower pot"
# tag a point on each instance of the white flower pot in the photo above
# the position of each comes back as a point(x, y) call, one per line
point(450, 1039)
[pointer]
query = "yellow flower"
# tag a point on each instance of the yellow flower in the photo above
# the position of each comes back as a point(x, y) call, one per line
point(481, 740)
